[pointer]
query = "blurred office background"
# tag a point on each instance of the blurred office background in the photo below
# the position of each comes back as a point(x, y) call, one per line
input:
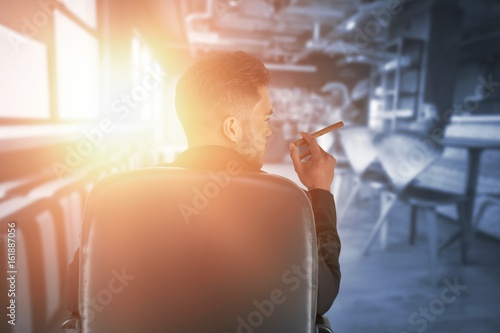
point(87, 90)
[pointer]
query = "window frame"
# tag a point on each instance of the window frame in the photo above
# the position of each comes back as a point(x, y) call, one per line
point(54, 118)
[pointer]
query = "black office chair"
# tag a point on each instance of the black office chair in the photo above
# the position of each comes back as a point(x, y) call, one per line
point(177, 250)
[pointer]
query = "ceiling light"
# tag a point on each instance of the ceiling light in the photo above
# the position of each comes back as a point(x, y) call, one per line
point(291, 68)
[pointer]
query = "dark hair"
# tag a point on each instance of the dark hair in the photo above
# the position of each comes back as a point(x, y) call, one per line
point(218, 86)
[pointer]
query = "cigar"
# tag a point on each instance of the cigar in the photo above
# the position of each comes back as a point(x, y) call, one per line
point(319, 133)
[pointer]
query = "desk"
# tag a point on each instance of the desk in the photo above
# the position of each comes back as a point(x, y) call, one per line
point(475, 148)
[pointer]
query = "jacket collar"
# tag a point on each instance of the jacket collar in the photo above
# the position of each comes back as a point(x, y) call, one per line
point(211, 157)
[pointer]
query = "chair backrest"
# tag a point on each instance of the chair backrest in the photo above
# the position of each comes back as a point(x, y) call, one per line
point(178, 250)
point(357, 142)
point(404, 155)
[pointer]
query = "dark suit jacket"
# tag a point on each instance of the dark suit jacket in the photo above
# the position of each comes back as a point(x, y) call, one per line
point(217, 157)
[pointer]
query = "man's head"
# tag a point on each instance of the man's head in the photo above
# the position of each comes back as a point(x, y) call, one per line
point(223, 100)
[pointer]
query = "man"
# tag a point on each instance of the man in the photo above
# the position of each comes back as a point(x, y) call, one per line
point(224, 106)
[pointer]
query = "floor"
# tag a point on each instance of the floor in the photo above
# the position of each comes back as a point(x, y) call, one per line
point(389, 291)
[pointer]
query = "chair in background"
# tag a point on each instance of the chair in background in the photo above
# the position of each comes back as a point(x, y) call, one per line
point(404, 156)
point(357, 142)
point(177, 250)
point(343, 176)
point(45, 236)
point(489, 199)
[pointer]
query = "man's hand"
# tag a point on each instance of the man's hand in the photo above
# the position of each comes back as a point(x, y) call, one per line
point(317, 171)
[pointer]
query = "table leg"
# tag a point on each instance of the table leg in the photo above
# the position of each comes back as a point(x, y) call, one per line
point(474, 162)
point(466, 210)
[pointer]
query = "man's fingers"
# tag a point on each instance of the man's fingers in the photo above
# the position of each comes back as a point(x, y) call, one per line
point(307, 153)
point(294, 154)
point(313, 145)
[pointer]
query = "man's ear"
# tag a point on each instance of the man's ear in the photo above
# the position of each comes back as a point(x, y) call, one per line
point(231, 128)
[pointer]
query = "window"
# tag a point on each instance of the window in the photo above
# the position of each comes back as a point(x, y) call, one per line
point(77, 63)
point(84, 9)
point(24, 77)
point(142, 65)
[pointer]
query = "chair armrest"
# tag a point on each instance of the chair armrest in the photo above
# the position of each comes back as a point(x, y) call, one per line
point(323, 325)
